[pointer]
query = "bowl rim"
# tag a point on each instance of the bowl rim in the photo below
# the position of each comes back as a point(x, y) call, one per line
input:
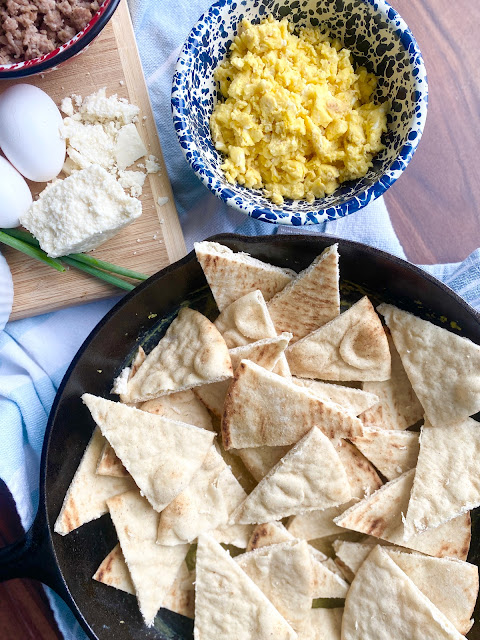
point(180, 113)
point(48, 62)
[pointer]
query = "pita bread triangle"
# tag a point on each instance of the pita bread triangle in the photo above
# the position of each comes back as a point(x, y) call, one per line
point(310, 300)
point(113, 572)
point(191, 353)
point(398, 406)
point(161, 455)
point(353, 346)
point(447, 476)
point(355, 401)
point(204, 505)
point(88, 492)
point(392, 452)
point(152, 567)
point(326, 581)
point(310, 476)
point(278, 412)
point(259, 460)
point(221, 585)
point(380, 515)
point(231, 275)
point(284, 573)
point(427, 352)
point(362, 477)
point(318, 524)
point(451, 585)
point(109, 464)
point(265, 353)
point(383, 603)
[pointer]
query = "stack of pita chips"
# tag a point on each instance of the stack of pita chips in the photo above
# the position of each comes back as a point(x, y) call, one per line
point(282, 430)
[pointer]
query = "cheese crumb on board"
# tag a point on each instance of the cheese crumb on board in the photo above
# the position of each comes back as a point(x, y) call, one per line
point(132, 180)
point(162, 201)
point(129, 146)
point(151, 164)
point(80, 212)
point(98, 108)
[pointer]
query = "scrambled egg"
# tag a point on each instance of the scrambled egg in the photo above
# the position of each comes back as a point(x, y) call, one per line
point(297, 119)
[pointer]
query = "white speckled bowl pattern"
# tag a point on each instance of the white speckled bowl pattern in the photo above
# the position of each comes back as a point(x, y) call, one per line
point(378, 38)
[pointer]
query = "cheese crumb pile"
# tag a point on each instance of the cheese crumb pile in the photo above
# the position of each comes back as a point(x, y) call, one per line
point(297, 120)
point(101, 130)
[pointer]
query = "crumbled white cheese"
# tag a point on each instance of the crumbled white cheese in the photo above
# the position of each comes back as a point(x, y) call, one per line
point(133, 180)
point(129, 146)
point(162, 201)
point(67, 106)
point(80, 213)
point(89, 143)
point(98, 108)
point(121, 382)
point(151, 164)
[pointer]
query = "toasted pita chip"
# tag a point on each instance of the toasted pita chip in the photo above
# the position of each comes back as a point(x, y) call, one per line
point(204, 505)
point(355, 401)
point(428, 352)
point(452, 585)
point(362, 477)
point(183, 406)
point(381, 514)
point(109, 464)
point(323, 624)
point(310, 300)
point(392, 452)
point(191, 353)
point(121, 382)
point(447, 476)
point(278, 412)
point(152, 567)
point(308, 477)
point(351, 555)
point(232, 275)
point(353, 346)
point(161, 455)
point(113, 572)
point(222, 586)
point(88, 492)
point(265, 353)
point(259, 460)
point(318, 524)
point(274, 532)
point(398, 406)
point(383, 603)
point(284, 573)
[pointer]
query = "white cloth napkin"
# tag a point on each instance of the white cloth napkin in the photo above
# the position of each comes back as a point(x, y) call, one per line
point(35, 353)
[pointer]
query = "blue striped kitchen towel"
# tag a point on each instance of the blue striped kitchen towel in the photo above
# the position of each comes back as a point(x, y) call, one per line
point(35, 353)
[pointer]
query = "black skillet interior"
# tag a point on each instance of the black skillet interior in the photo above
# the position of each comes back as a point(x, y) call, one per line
point(141, 318)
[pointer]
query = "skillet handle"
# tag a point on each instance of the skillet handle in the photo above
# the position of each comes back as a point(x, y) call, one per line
point(32, 556)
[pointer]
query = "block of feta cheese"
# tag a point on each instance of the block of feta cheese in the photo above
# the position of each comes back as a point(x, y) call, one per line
point(80, 213)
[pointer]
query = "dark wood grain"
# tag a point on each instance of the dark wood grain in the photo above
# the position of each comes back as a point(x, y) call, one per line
point(435, 205)
point(24, 610)
point(435, 208)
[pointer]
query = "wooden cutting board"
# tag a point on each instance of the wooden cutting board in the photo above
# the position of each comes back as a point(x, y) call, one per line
point(151, 242)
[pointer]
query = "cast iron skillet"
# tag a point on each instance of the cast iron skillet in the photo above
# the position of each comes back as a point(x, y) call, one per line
point(67, 563)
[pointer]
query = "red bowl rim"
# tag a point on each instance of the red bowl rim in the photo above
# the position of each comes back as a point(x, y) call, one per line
point(24, 68)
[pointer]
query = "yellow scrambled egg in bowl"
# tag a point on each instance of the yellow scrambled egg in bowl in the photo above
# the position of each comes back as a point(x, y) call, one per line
point(297, 119)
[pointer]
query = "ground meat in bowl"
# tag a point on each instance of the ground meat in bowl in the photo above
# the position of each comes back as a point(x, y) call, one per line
point(32, 28)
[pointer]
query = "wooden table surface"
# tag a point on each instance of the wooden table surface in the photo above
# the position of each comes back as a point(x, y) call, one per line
point(435, 209)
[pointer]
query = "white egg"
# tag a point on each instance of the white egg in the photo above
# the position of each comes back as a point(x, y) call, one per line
point(15, 196)
point(30, 132)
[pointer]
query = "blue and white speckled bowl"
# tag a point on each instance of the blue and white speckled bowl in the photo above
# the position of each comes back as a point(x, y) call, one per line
point(378, 38)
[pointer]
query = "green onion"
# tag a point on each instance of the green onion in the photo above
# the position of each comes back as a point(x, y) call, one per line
point(328, 603)
point(29, 250)
point(107, 266)
point(25, 236)
point(102, 275)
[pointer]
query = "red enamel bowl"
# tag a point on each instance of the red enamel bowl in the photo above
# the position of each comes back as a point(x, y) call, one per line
point(74, 46)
